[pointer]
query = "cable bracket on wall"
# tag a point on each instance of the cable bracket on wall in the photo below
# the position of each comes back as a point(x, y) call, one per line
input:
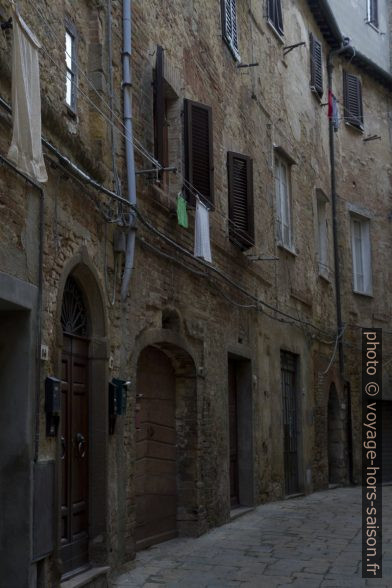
point(289, 48)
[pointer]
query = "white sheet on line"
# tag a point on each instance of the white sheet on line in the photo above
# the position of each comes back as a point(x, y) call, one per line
point(202, 232)
point(26, 146)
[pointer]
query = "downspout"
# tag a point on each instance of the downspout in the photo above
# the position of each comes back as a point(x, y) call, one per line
point(335, 227)
point(129, 153)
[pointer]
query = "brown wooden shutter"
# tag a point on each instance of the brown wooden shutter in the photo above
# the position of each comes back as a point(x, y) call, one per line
point(199, 167)
point(316, 57)
point(159, 108)
point(353, 111)
point(241, 216)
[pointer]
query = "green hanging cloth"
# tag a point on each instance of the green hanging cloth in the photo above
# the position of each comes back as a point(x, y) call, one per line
point(182, 215)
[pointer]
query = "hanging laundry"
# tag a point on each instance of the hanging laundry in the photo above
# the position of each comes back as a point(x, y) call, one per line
point(182, 215)
point(202, 232)
point(26, 146)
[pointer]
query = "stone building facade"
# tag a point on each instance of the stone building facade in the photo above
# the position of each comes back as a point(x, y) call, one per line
point(236, 394)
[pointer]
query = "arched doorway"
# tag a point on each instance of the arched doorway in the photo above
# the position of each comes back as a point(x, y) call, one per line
point(74, 535)
point(166, 492)
point(335, 439)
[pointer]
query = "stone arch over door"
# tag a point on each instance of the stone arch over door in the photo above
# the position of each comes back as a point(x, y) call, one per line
point(81, 272)
point(177, 368)
point(337, 466)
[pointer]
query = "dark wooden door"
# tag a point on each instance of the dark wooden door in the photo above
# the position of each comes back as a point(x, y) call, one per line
point(233, 435)
point(156, 466)
point(290, 422)
point(74, 454)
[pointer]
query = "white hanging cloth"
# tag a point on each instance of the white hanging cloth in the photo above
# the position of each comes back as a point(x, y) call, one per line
point(26, 146)
point(202, 232)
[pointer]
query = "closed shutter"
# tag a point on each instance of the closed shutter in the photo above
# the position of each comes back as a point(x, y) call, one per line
point(199, 168)
point(241, 221)
point(159, 108)
point(316, 57)
point(353, 112)
point(275, 15)
point(229, 25)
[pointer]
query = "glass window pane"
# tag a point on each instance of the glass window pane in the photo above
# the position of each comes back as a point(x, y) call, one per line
point(68, 50)
point(69, 84)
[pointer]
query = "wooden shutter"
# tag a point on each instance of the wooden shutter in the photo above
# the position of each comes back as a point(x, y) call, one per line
point(159, 108)
point(316, 62)
point(373, 12)
point(275, 14)
point(241, 216)
point(353, 112)
point(199, 167)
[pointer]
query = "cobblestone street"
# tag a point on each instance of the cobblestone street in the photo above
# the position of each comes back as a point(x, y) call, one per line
point(313, 541)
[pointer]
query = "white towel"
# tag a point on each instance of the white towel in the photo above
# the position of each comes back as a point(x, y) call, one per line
point(26, 147)
point(202, 232)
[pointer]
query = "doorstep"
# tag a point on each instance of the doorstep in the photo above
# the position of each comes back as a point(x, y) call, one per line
point(240, 511)
point(93, 577)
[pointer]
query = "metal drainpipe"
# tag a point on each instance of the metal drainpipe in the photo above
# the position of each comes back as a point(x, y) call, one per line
point(129, 152)
point(39, 301)
point(344, 47)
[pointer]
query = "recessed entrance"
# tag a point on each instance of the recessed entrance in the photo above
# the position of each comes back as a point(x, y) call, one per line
point(74, 432)
point(156, 465)
point(290, 422)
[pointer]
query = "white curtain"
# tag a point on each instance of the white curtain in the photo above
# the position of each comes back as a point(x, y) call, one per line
point(26, 147)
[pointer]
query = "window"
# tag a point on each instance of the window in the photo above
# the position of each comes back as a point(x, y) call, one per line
point(372, 12)
point(275, 15)
point(316, 65)
point(283, 204)
point(360, 243)
point(241, 222)
point(229, 26)
point(353, 110)
point(322, 235)
point(199, 170)
point(70, 60)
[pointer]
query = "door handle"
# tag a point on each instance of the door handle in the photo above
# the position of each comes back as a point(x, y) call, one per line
point(81, 445)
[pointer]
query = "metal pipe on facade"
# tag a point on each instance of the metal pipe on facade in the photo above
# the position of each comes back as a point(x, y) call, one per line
point(335, 227)
point(129, 151)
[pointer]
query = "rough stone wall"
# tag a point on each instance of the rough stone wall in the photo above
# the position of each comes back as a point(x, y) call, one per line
point(254, 110)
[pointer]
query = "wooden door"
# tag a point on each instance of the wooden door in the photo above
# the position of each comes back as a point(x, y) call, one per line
point(290, 422)
point(74, 454)
point(233, 435)
point(156, 468)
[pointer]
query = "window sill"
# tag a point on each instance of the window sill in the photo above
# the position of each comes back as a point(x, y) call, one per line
point(234, 53)
point(373, 26)
point(291, 250)
point(70, 111)
point(324, 276)
point(316, 94)
point(365, 294)
point(278, 35)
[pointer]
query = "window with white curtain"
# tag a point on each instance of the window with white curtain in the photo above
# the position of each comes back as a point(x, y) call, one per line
point(283, 203)
point(361, 253)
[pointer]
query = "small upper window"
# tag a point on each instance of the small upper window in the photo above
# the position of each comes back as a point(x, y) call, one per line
point(70, 60)
point(275, 15)
point(316, 65)
point(372, 12)
point(229, 26)
point(360, 243)
point(283, 203)
point(322, 235)
point(353, 109)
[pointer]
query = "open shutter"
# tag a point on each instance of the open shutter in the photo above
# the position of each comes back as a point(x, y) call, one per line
point(353, 100)
point(373, 12)
point(316, 65)
point(159, 107)
point(241, 218)
point(275, 15)
point(199, 168)
point(229, 25)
